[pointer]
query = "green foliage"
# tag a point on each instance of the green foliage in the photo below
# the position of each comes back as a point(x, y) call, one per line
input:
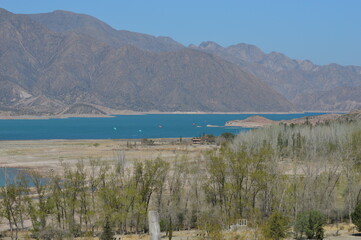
point(107, 233)
point(147, 142)
point(211, 224)
point(276, 227)
point(163, 224)
point(208, 138)
point(228, 136)
point(310, 224)
point(356, 217)
point(236, 179)
point(75, 230)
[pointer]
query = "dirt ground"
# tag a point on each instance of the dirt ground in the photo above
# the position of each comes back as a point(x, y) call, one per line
point(345, 232)
point(47, 155)
point(341, 232)
point(195, 235)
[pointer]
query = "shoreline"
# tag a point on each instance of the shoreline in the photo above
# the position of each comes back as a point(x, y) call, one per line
point(129, 112)
point(165, 139)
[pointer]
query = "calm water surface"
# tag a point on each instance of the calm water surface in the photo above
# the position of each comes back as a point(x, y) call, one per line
point(9, 176)
point(128, 126)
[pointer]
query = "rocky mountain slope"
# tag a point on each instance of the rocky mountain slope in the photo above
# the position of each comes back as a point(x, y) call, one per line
point(81, 108)
point(64, 21)
point(308, 86)
point(43, 71)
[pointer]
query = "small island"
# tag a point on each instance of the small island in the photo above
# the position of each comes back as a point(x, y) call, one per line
point(251, 122)
point(257, 121)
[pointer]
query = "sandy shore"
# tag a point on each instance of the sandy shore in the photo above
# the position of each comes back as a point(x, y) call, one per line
point(112, 113)
point(33, 117)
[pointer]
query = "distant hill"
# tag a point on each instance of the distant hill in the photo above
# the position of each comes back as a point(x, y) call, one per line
point(259, 121)
point(251, 122)
point(352, 116)
point(45, 71)
point(308, 86)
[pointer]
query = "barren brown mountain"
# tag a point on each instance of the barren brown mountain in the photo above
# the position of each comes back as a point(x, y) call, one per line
point(44, 72)
point(64, 21)
point(308, 86)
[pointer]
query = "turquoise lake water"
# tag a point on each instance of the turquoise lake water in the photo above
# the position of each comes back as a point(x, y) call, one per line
point(9, 175)
point(128, 126)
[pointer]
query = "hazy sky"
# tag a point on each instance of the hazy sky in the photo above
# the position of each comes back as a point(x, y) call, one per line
point(323, 31)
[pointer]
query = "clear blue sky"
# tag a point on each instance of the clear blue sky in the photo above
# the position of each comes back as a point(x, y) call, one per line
point(323, 31)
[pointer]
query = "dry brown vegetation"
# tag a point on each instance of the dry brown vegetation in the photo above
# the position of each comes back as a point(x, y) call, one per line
point(43, 155)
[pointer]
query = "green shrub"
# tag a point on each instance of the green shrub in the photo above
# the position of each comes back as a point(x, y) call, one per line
point(211, 224)
point(75, 230)
point(276, 227)
point(310, 224)
point(228, 136)
point(356, 217)
point(107, 233)
point(147, 142)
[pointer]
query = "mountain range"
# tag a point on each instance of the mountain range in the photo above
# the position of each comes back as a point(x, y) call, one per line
point(51, 62)
point(308, 86)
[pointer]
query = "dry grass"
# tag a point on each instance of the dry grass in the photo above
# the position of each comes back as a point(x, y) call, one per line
point(345, 233)
point(43, 155)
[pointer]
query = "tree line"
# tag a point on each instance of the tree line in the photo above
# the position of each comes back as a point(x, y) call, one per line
point(277, 177)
